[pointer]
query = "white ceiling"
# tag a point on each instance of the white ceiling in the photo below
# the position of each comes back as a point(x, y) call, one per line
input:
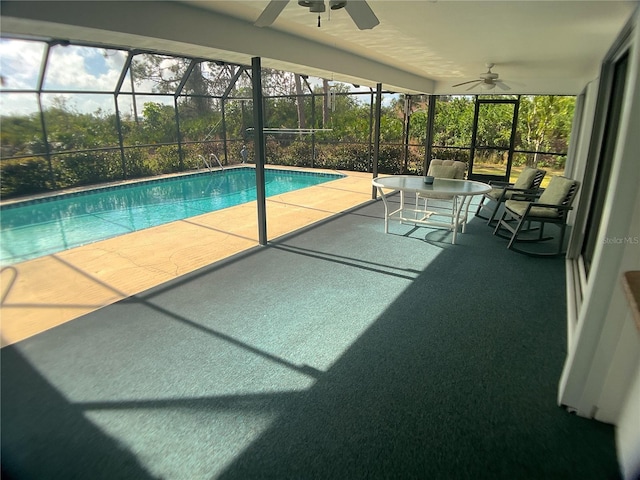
point(420, 46)
point(537, 46)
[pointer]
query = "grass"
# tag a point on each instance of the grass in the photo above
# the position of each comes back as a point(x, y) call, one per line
point(515, 172)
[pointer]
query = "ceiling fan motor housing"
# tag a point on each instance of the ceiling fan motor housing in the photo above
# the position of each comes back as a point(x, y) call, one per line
point(359, 11)
point(489, 76)
point(314, 6)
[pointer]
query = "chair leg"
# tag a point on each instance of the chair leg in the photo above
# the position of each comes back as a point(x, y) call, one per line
point(493, 214)
point(481, 205)
point(500, 223)
point(557, 253)
point(515, 233)
point(561, 240)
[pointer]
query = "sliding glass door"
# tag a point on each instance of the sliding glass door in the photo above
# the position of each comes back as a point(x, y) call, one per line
point(604, 160)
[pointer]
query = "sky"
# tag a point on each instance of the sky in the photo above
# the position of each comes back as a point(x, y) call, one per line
point(69, 67)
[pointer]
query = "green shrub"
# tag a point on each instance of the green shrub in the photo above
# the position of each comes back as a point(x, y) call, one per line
point(344, 156)
point(87, 168)
point(24, 177)
point(390, 158)
point(137, 163)
point(300, 153)
point(275, 152)
point(167, 159)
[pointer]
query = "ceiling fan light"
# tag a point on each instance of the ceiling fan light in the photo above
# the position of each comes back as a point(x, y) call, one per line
point(337, 4)
point(487, 86)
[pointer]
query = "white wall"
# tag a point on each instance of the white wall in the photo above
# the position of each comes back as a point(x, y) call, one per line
point(627, 360)
point(628, 431)
point(616, 253)
point(601, 374)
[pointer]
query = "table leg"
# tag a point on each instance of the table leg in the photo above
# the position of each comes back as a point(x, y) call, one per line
point(466, 213)
point(386, 210)
point(459, 202)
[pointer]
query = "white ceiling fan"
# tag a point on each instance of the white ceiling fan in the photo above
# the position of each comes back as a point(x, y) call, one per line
point(358, 10)
point(486, 81)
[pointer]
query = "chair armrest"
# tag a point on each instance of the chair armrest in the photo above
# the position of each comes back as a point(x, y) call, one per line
point(524, 193)
point(551, 205)
point(527, 195)
point(562, 209)
point(499, 183)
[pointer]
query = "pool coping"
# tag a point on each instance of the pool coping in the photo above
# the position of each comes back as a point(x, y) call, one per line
point(45, 292)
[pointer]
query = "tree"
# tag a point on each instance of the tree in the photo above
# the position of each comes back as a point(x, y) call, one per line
point(205, 79)
point(302, 119)
point(325, 102)
point(277, 83)
point(159, 124)
point(347, 118)
point(419, 117)
point(21, 135)
point(545, 124)
point(454, 121)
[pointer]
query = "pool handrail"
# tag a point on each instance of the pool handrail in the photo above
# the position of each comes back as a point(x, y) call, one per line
point(207, 164)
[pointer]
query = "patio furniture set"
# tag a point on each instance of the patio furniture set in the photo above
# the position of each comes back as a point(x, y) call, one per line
point(515, 210)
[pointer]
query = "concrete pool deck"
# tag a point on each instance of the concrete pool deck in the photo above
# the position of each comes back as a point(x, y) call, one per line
point(45, 292)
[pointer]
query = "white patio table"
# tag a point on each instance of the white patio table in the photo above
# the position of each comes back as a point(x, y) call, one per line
point(461, 190)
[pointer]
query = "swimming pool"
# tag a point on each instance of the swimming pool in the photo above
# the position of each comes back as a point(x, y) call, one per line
point(41, 227)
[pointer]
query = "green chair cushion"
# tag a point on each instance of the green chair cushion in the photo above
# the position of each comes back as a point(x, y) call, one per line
point(520, 206)
point(461, 167)
point(524, 182)
point(557, 191)
point(495, 193)
point(526, 177)
point(443, 171)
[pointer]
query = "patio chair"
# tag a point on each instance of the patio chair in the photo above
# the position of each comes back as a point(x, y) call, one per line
point(460, 168)
point(443, 169)
point(528, 182)
point(552, 206)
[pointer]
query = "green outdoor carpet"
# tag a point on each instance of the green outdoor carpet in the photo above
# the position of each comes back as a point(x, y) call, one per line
point(338, 352)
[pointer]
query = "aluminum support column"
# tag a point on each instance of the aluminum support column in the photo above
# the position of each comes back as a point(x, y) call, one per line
point(406, 124)
point(376, 144)
point(428, 139)
point(260, 148)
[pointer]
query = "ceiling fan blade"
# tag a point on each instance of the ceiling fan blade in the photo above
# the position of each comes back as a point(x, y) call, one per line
point(361, 13)
point(479, 82)
point(502, 85)
point(270, 13)
point(464, 83)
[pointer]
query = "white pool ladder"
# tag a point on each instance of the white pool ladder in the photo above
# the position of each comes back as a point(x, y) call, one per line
point(208, 164)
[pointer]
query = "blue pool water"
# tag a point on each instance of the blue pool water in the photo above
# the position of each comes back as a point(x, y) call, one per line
point(42, 227)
